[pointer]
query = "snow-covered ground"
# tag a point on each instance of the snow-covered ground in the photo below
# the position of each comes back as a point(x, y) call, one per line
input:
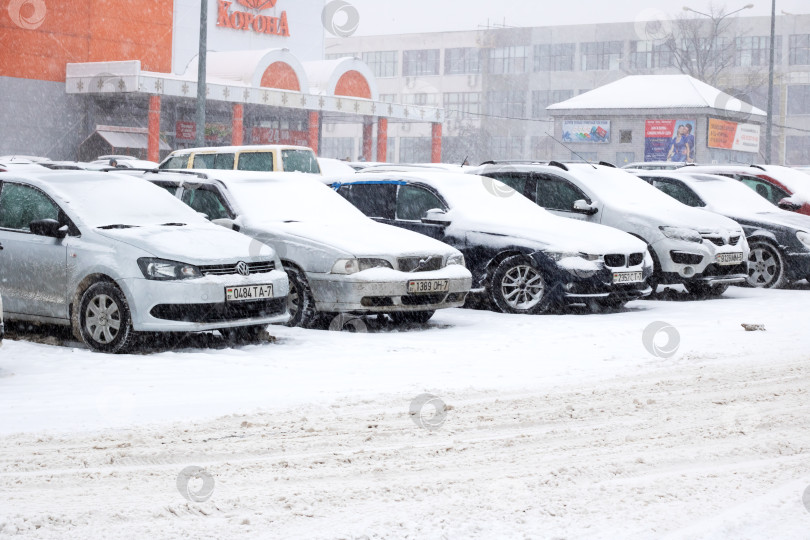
point(556, 426)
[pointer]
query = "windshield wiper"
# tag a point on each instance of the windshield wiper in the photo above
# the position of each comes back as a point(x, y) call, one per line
point(117, 226)
point(172, 224)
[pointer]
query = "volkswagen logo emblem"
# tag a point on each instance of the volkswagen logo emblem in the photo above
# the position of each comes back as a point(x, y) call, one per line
point(242, 268)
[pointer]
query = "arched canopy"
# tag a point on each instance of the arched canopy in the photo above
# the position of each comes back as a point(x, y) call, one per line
point(349, 77)
point(268, 68)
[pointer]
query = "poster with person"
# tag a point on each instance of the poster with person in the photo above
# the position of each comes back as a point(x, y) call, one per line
point(669, 140)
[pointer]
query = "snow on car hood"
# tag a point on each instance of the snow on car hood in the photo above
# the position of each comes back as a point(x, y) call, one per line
point(194, 244)
point(778, 217)
point(357, 238)
point(551, 233)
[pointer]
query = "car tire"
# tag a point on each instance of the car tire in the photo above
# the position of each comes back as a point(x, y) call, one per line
point(518, 286)
point(413, 317)
point(703, 290)
point(766, 268)
point(105, 323)
point(300, 302)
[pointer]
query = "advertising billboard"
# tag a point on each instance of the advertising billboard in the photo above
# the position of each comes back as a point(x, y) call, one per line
point(669, 140)
point(733, 136)
point(586, 131)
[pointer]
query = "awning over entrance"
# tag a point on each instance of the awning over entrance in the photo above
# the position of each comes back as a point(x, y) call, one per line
point(129, 141)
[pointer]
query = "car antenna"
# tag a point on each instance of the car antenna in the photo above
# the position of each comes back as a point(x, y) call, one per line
point(553, 138)
point(464, 160)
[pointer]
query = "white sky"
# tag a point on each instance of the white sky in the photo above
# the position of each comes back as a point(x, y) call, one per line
point(401, 16)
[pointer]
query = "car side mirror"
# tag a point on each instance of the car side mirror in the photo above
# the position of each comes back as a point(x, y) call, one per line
point(786, 204)
point(436, 216)
point(227, 223)
point(583, 207)
point(48, 227)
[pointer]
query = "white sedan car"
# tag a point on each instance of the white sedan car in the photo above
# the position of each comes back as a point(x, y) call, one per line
point(112, 255)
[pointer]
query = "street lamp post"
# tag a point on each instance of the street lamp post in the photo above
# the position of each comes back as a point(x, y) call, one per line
point(201, 60)
point(769, 118)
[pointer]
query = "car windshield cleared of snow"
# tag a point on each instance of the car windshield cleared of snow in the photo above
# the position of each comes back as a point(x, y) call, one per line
point(300, 161)
point(728, 196)
point(109, 200)
point(292, 200)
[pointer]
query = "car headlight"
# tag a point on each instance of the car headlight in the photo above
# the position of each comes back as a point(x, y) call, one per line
point(455, 259)
point(557, 256)
point(351, 266)
point(682, 233)
point(804, 238)
point(163, 270)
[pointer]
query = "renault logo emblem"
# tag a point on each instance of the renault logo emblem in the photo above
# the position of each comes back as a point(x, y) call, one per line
point(242, 268)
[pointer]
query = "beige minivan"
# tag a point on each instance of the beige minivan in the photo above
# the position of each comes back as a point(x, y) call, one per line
point(245, 158)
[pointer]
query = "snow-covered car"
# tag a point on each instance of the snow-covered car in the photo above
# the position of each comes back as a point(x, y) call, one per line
point(337, 260)
point(112, 255)
point(332, 167)
point(704, 252)
point(522, 258)
point(787, 188)
point(257, 158)
point(779, 240)
point(656, 165)
point(2, 325)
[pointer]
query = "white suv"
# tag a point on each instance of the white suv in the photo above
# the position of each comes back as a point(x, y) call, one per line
point(704, 252)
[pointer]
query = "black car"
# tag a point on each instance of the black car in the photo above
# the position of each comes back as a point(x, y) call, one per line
point(523, 259)
point(779, 240)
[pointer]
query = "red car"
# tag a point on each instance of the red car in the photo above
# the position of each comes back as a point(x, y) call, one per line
point(787, 188)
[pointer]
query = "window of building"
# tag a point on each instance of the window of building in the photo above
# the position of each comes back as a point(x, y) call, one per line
point(641, 54)
point(421, 98)
point(624, 158)
point(543, 98)
point(506, 147)
point(508, 59)
point(382, 63)
point(414, 149)
point(388, 98)
point(511, 103)
point(799, 54)
point(798, 101)
point(422, 62)
point(337, 147)
point(601, 55)
point(755, 51)
point(462, 60)
point(797, 150)
point(337, 56)
point(462, 104)
point(554, 57)
point(625, 136)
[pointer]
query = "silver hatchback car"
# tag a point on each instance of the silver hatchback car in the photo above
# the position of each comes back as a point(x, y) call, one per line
point(112, 255)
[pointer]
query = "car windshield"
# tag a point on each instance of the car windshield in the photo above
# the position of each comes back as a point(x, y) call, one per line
point(300, 161)
point(105, 200)
point(292, 200)
point(728, 196)
point(621, 189)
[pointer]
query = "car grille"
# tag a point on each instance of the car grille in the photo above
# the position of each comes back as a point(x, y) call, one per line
point(422, 299)
point(636, 259)
point(229, 311)
point(261, 267)
point(420, 264)
point(614, 261)
point(720, 241)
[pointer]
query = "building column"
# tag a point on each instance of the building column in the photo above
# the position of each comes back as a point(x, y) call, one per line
point(368, 133)
point(238, 125)
point(436, 143)
point(314, 131)
point(382, 139)
point(153, 122)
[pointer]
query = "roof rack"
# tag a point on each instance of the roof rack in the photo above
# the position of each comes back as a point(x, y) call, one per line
point(507, 161)
point(760, 167)
point(156, 171)
point(562, 166)
point(607, 164)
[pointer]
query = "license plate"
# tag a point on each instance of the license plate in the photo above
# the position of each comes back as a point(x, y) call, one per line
point(424, 286)
point(729, 258)
point(248, 292)
point(627, 277)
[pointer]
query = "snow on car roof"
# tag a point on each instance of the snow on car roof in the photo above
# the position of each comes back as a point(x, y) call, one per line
point(722, 194)
point(102, 198)
point(252, 147)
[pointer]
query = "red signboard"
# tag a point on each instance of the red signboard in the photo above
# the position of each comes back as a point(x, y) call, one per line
point(185, 131)
point(263, 135)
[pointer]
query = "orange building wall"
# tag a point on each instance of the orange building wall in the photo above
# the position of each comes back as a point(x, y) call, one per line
point(83, 31)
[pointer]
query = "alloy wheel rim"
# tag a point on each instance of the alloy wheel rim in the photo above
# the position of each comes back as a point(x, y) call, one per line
point(292, 301)
point(103, 319)
point(522, 287)
point(763, 267)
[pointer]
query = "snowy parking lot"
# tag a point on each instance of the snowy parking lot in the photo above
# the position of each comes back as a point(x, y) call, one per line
point(572, 425)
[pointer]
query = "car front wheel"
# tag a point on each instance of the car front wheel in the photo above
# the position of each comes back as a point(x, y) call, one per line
point(105, 323)
point(765, 266)
point(517, 286)
point(300, 301)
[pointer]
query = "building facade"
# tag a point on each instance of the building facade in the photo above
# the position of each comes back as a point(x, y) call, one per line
point(496, 84)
